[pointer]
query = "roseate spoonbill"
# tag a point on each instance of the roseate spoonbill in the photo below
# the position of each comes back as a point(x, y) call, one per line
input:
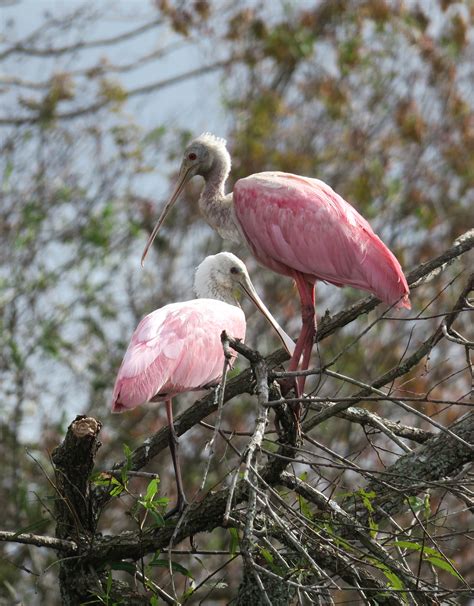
point(296, 226)
point(178, 348)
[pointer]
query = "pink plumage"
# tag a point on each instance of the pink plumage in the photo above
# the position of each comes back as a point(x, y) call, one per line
point(297, 224)
point(176, 349)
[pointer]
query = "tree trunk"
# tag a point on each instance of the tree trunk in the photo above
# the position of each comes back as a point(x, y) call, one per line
point(75, 516)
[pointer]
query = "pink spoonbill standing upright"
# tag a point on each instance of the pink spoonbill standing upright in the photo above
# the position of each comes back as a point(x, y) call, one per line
point(178, 348)
point(296, 226)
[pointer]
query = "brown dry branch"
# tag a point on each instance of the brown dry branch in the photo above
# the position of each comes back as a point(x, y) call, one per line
point(440, 457)
point(429, 462)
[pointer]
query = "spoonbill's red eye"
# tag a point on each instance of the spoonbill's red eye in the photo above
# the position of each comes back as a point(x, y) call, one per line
point(192, 156)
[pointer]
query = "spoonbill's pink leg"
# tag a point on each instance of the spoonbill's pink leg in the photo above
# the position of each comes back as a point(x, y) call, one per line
point(174, 448)
point(308, 348)
point(304, 344)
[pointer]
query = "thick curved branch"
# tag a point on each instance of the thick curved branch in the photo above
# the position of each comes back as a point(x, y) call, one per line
point(440, 457)
point(73, 462)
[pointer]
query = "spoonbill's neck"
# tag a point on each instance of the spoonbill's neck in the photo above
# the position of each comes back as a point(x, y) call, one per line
point(207, 287)
point(216, 206)
point(213, 291)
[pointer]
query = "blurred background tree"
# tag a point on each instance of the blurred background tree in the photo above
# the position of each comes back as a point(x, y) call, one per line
point(96, 104)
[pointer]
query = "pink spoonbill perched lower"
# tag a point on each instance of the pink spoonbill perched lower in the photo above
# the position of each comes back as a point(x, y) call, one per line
point(178, 348)
point(296, 226)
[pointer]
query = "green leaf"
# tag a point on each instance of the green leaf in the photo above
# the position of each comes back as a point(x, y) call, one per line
point(101, 479)
point(367, 501)
point(416, 504)
point(374, 527)
point(305, 508)
point(127, 566)
point(159, 519)
point(152, 489)
point(127, 451)
point(109, 583)
point(119, 488)
point(234, 540)
point(189, 592)
point(128, 464)
point(444, 564)
point(416, 547)
point(427, 505)
point(175, 567)
point(395, 581)
point(267, 555)
point(31, 527)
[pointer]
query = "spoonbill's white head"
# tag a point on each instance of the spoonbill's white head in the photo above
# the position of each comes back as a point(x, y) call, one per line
point(222, 276)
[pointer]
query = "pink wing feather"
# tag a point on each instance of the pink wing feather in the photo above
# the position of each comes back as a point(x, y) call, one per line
point(298, 223)
point(176, 349)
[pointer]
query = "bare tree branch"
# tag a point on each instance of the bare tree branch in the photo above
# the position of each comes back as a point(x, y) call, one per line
point(134, 92)
point(40, 541)
point(422, 273)
point(21, 48)
point(439, 458)
point(405, 366)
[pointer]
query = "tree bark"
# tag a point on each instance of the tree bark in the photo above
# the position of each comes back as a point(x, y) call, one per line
point(73, 462)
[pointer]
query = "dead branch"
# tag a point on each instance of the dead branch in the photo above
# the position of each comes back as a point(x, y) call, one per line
point(242, 384)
